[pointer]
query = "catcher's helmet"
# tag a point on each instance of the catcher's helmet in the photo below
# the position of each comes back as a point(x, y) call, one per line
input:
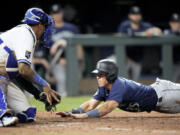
point(108, 67)
point(35, 16)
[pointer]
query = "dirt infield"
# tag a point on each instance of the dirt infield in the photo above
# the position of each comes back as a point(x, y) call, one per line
point(116, 123)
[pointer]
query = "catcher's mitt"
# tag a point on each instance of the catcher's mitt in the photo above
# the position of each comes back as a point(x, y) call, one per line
point(48, 107)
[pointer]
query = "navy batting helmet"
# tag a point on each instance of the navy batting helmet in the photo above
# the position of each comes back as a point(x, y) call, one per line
point(109, 68)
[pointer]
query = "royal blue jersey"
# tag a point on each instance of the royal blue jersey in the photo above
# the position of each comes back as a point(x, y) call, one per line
point(131, 96)
point(125, 27)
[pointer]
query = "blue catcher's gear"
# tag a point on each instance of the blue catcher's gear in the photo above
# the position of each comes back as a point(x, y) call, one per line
point(3, 104)
point(27, 116)
point(46, 37)
point(36, 16)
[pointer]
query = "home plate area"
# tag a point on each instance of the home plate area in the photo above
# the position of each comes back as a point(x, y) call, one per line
point(117, 122)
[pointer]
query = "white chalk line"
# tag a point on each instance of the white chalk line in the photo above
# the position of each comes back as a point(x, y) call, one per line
point(140, 130)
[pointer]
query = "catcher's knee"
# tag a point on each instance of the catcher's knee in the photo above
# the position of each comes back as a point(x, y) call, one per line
point(27, 116)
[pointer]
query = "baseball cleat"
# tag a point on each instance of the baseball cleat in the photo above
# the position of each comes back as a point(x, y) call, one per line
point(8, 121)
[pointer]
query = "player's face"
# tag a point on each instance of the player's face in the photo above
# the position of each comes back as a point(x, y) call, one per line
point(175, 26)
point(58, 17)
point(101, 79)
point(136, 18)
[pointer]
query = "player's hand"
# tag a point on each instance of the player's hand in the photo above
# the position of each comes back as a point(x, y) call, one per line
point(64, 114)
point(51, 95)
point(153, 32)
point(78, 116)
point(75, 116)
point(56, 45)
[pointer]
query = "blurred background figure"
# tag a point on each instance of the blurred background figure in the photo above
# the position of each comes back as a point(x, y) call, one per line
point(174, 29)
point(62, 30)
point(40, 61)
point(135, 26)
point(174, 25)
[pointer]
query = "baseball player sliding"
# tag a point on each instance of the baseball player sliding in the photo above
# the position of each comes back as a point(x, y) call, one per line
point(16, 51)
point(161, 96)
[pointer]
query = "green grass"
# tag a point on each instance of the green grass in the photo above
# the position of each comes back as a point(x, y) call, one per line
point(67, 103)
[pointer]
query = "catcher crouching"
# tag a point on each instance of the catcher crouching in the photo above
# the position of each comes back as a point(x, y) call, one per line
point(17, 46)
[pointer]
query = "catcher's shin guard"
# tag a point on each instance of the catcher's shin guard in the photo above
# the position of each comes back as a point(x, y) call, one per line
point(3, 104)
point(27, 116)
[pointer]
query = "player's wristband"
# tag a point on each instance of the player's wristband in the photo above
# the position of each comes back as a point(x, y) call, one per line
point(93, 113)
point(39, 81)
point(79, 109)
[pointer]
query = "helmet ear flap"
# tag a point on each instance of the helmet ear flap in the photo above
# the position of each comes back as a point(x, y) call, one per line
point(110, 78)
point(109, 67)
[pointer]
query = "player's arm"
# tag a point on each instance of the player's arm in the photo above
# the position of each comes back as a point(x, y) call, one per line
point(26, 71)
point(107, 107)
point(102, 110)
point(90, 105)
point(85, 107)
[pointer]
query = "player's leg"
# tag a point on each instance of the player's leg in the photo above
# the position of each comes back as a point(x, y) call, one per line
point(133, 69)
point(169, 96)
point(6, 115)
point(136, 70)
point(18, 102)
point(59, 73)
point(176, 72)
